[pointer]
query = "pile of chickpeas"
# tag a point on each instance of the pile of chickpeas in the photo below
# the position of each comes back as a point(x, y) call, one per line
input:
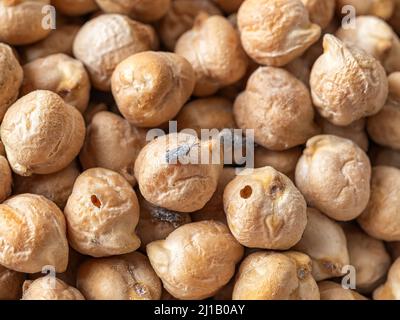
point(91, 208)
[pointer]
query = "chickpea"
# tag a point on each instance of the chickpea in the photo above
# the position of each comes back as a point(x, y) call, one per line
point(272, 38)
point(380, 218)
point(282, 161)
point(102, 213)
point(10, 78)
point(10, 284)
point(125, 277)
point(358, 85)
point(380, 8)
point(264, 209)
point(320, 12)
point(5, 179)
point(75, 7)
point(390, 289)
point(151, 87)
point(269, 275)
point(61, 74)
point(208, 113)
point(103, 42)
point(229, 6)
point(38, 236)
point(333, 291)
point(41, 133)
point(334, 174)
point(142, 10)
point(195, 260)
point(49, 288)
point(185, 186)
point(21, 21)
point(278, 107)
point(213, 48)
point(383, 127)
point(180, 18)
point(325, 242)
point(368, 256)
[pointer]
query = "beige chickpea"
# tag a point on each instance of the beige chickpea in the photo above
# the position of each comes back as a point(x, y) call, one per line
point(320, 12)
point(10, 284)
point(151, 87)
point(49, 288)
point(102, 213)
point(333, 291)
point(195, 260)
point(383, 127)
point(125, 277)
point(37, 237)
point(103, 42)
point(346, 83)
point(61, 74)
point(334, 174)
point(325, 242)
point(41, 133)
point(278, 107)
point(75, 7)
point(21, 21)
point(264, 209)
point(369, 258)
point(6, 180)
point(282, 161)
point(380, 8)
point(171, 172)
point(385, 157)
point(213, 48)
point(142, 10)
point(381, 219)
point(56, 187)
point(112, 143)
point(390, 289)
point(269, 275)
point(272, 38)
point(10, 78)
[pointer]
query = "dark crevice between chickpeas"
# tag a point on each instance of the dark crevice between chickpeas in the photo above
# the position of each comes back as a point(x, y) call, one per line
point(246, 192)
point(95, 201)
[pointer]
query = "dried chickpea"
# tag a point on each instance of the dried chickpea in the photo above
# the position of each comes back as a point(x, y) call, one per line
point(21, 21)
point(49, 288)
point(102, 213)
point(282, 161)
point(75, 7)
point(213, 48)
point(383, 127)
point(41, 133)
point(157, 223)
point(142, 10)
point(386, 157)
point(321, 12)
point(381, 219)
point(11, 76)
point(275, 32)
point(269, 275)
point(229, 6)
point(380, 8)
point(346, 83)
point(333, 291)
point(125, 277)
point(151, 87)
point(38, 236)
point(390, 289)
point(278, 107)
point(208, 113)
point(369, 258)
point(61, 74)
point(334, 174)
point(6, 180)
point(264, 209)
point(195, 260)
point(176, 186)
point(56, 187)
point(325, 242)
point(103, 42)
point(112, 143)
point(10, 284)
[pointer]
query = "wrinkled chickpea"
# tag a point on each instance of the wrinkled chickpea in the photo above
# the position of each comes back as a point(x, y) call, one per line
point(151, 87)
point(102, 213)
point(103, 42)
point(125, 277)
point(380, 8)
point(75, 7)
point(10, 284)
point(333, 291)
point(33, 234)
point(390, 289)
point(41, 133)
point(264, 209)
point(334, 174)
point(278, 107)
point(195, 260)
point(213, 48)
point(269, 275)
point(321, 12)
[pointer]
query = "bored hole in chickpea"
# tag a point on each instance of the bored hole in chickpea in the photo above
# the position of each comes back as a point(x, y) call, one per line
point(246, 192)
point(95, 201)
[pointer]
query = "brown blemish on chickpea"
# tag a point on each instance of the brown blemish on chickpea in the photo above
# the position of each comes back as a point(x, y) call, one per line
point(246, 192)
point(95, 201)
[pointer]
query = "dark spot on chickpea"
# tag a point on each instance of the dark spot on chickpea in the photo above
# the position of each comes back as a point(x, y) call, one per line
point(95, 201)
point(246, 192)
